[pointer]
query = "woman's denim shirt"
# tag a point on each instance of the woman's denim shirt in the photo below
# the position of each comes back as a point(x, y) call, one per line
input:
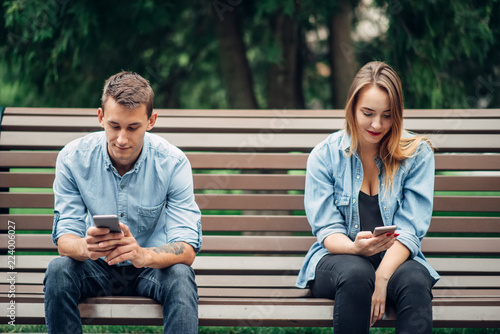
point(333, 182)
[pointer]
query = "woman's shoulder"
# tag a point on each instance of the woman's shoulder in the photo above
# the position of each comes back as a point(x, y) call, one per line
point(333, 141)
point(424, 145)
point(329, 151)
point(421, 147)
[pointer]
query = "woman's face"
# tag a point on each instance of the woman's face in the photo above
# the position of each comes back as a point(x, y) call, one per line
point(373, 116)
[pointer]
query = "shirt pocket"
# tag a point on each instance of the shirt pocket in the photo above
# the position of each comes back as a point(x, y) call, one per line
point(149, 216)
point(341, 202)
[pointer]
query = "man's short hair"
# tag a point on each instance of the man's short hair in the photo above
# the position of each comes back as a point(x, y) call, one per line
point(129, 89)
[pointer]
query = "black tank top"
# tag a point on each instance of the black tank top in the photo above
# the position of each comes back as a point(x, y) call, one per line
point(369, 218)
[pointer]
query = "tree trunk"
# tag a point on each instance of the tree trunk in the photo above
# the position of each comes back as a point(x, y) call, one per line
point(285, 77)
point(342, 56)
point(233, 61)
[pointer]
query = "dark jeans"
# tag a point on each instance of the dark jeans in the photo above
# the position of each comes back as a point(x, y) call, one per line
point(68, 282)
point(350, 281)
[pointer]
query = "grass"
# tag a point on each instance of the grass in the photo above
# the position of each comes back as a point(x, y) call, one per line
point(233, 330)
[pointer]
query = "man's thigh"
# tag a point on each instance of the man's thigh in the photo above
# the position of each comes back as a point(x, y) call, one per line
point(90, 278)
point(178, 279)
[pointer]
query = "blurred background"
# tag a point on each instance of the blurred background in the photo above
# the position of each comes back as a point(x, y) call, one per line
point(248, 54)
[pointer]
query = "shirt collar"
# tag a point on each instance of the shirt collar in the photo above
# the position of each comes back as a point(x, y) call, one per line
point(107, 160)
point(105, 155)
point(346, 147)
point(143, 155)
point(345, 142)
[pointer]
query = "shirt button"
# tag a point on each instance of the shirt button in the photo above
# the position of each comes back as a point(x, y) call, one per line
point(385, 208)
point(355, 226)
point(122, 186)
point(354, 201)
point(121, 214)
point(357, 176)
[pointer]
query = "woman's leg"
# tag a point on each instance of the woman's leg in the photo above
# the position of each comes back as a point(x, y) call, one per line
point(410, 290)
point(349, 280)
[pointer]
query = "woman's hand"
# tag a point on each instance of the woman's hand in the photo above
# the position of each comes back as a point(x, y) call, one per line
point(366, 244)
point(393, 258)
point(378, 300)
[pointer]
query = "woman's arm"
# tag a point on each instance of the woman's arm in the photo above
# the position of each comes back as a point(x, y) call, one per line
point(393, 258)
point(364, 244)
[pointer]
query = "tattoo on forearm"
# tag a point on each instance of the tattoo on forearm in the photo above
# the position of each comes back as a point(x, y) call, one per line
point(176, 248)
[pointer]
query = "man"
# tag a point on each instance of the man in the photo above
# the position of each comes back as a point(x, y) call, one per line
point(147, 183)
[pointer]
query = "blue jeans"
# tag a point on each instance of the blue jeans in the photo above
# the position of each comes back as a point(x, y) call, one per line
point(350, 281)
point(68, 282)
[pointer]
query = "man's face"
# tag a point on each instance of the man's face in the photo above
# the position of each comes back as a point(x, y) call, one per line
point(125, 129)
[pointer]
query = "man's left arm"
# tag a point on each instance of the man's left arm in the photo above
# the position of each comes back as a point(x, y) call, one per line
point(155, 257)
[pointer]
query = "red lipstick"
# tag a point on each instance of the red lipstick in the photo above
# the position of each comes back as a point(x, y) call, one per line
point(374, 134)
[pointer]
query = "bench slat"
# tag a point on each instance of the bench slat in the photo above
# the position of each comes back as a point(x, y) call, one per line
point(238, 142)
point(271, 282)
point(261, 182)
point(257, 265)
point(212, 160)
point(250, 313)
point(265, 223)
point(273, 113)
point(284, 244)
point(235, 125)
point(262, 202)
point(451, 292)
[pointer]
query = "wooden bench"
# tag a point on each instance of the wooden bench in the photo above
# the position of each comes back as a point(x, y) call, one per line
point(248, 170)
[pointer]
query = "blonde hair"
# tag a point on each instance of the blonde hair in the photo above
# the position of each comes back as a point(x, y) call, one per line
point(393, 148)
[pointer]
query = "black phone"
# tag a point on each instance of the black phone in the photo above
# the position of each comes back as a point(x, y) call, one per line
point(109, 221)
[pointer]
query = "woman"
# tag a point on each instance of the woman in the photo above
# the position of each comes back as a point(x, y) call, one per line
point(372, 173)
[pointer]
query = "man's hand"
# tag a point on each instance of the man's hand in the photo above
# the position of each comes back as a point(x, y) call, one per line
point(95, 239)
point(123, 249)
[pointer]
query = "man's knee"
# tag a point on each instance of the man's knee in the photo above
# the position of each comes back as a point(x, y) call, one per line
point(178, 278)
point(179, 271)
point(59, 267)
point(59, 276)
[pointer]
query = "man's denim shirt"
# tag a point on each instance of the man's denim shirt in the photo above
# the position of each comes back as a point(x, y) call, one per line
point(333, 182)
point(154, 199)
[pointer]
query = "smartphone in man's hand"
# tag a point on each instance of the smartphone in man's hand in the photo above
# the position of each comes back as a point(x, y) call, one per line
point(107, 221)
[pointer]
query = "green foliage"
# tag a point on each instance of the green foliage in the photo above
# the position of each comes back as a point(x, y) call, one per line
point(59, 52)
point(65, 50)
point(445, 52)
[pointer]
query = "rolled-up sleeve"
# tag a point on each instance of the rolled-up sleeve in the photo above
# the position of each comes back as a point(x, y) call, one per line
point(69, 208)
point(414, 214)
point(183, 214)
point(321, 210)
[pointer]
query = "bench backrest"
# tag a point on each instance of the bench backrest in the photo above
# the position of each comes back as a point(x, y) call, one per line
point(248, 168)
